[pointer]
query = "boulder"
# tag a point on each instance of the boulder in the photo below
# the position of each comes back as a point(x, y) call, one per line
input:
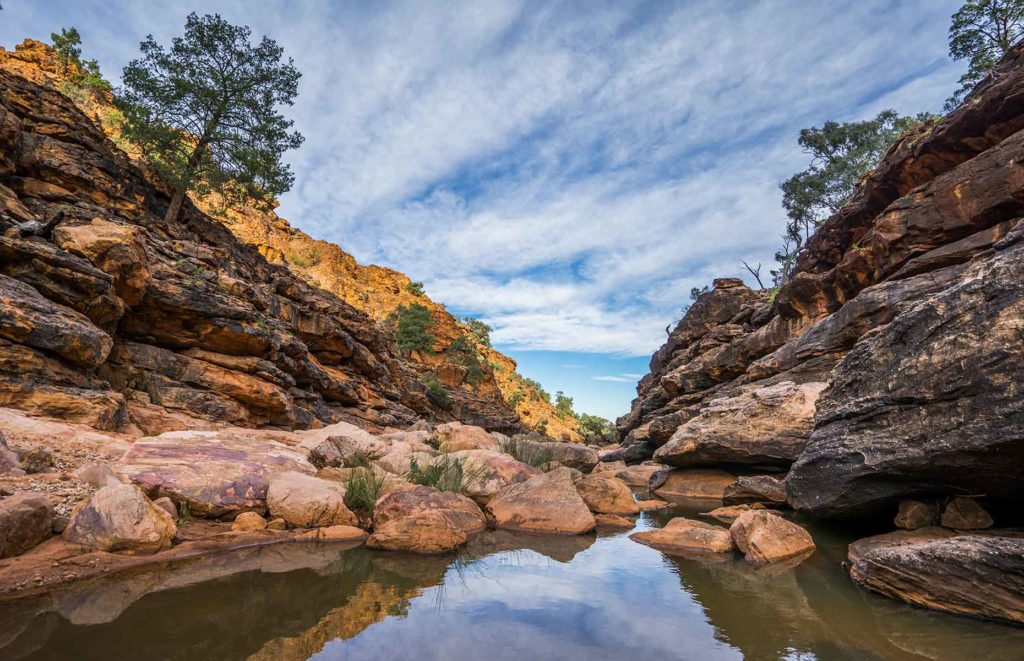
point(652, 505)
point(120, 519)
point(965, 514)
point(612, 521)
point(455, 437)
point(490, 471)
point(548, 502)
point(729, 513)
point(612, 467)
point(217, 474)
point(765, 425)
point(335, 534)
point(26, 519)
point(764, 537)
point(277, 523)
point(37, 460)
point(914, 514)
point(606, 495)
point(247, 521)
point(9, 463)
point(166, 504)
point(117, 250)
point(978, 574)
point(681, 535)
point(305, 501)
point(399, 458)
point(639, 476)
point(573, 455)
point(696, 484)
point(346, 451)
point(460, 510)
point(755, 489)
point(97, 475)
point(427, 531)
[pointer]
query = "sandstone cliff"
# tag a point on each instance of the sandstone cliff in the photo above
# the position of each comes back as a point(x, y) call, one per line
point(891, 365)
point(111, 318)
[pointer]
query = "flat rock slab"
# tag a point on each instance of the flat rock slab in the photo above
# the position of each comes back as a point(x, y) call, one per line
point(978, 574)
point(216, 474)
point(696, 484)
point(682, 535)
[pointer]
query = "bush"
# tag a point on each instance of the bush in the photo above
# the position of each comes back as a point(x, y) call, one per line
point(516, 398)
point(412, 326)
point(415, 288)
point(596, 429)
point(480, 331)
point(462, 352)
point(528, 452)
point(535, 385)
point(305, 258)
point(435, 390)
point(363, 488)
point(563, 405)
point(445, 473)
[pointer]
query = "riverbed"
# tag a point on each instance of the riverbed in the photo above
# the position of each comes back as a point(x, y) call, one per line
point(505, 596)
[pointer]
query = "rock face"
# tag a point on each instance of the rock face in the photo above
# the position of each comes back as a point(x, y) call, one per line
point(606, 495)
point(545, 503)
point(120, 519)
point(764, 537)
point(305, 501)
point(975, 574)
point(26, 519)
point(681, 535)
point(217, 474)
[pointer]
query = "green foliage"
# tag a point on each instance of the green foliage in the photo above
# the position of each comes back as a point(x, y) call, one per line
point(82, 77)
point(480, 331)
point(68, 45)
point(528, 452)
point(92, 79)
point(981, 32)
point(695, 292)
point(596, 429)
point(463, 352)
point(435, 390)
point(444, 473)
point(415, 288)
point(412, 325)
point(563, 404)
point(363, 488)
point(184, 513)
point(543, 426)
point(516, 398)
point(535, 385)
point(841, 153)
point(305, 258)
point(204, 112)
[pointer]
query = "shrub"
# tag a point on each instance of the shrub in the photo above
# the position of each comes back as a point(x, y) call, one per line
point(415, 288)
point(596, 429)
point(412, 326)
point(480, 331)
point(528, 452)
point(435, 389)
point(363, 488)
point(516, 398)
point(444, 473)
point(462, 352)
point(563, 405)
point(305, 258)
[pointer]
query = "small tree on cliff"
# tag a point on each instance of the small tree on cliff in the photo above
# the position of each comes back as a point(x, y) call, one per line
point(981, 33)
point(204, 112)
point(68, 45)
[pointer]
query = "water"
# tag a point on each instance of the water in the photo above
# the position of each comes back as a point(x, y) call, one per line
point(506, 596)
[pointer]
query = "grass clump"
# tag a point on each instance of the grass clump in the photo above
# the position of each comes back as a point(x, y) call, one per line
point(363, 488)
point(444, 473)
point(525, 451)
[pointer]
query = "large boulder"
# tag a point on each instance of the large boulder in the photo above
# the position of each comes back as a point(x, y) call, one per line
point(755, 489)
point(695, 484)
point(455, 437)
point(338, 451)
point(965, 514)
point(545, 503)
point(118, 250)
point(914, 514)
point(573, 455)
point(640, 475)
point(979, 574)
point(426, 531)
point(216, 474)
point(764, 425)
point(929, 404)
point(119, 518)
point(682, 535)
point(490, 471)
point(462, 511)
point(604, 494)
point(305, 501)
point(9, 464)
point(26, 519)
point(764, 537)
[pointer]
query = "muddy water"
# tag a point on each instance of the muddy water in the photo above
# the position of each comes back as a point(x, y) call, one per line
point(505, 596)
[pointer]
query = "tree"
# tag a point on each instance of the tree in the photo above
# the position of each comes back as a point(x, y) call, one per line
point(596, 429)
point(563, 404)
point(412, 326)
point(415, 288)
point(841, 153)
point(204, 112)
point(68, 45)
point(982, 32)
point(480, 331)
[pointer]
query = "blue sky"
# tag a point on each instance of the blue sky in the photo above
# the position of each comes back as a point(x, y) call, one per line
point(564, 171)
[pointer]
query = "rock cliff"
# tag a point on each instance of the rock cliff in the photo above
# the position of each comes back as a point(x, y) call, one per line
point(891, 366)
point(111, 318)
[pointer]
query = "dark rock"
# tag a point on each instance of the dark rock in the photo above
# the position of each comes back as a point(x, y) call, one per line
point(965, 514)
point(914, 514)
point(749, 489)
point(26, 520)
point(37, 460)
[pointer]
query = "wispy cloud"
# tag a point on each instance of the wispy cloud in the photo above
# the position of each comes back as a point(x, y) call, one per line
point(622, 378)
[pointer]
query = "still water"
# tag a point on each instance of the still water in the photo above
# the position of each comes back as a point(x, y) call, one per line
point(506, 596)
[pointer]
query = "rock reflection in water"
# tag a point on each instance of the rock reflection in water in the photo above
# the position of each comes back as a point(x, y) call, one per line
point(505, 596)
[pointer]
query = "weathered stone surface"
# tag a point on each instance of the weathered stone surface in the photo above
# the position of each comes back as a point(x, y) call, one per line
point(463, 512)
point(37, 460)
point(427, 531)
point(491, 471)
point(979, 574)
point(755, 489)
point(247, 521)
point(914, 514)
point(120, 519)
point(611, 467)
point(164, 503)
point(764, 425)
point(573, 455)
point(764, 537)
point(400, 456)
point(9, 464)
point(544, 503)
point(606, 495)
point(97, 475)
point(682, 535)
point(26, 519)
point(612, 521)
point(696, 483)
point(640, 475)
point(337, 533)
point(455, 437)
point(729, 513)
point(305, 501)
point(965, 514)
point(216, 473)
point(950, 416)
point(117, 250)
point(652, 505)
point(346, 451)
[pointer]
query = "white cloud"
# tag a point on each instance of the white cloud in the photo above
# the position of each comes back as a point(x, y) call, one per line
point(616, 378)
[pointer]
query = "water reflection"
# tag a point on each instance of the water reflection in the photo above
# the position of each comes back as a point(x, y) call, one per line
point(506, 596)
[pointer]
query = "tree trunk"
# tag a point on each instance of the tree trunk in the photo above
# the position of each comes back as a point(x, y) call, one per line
point(175, 207)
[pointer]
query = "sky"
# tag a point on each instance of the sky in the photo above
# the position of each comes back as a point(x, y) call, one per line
point(565, 171)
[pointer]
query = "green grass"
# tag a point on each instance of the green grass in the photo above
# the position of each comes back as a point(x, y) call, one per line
point(184, 513)
point(363, 488)
point(526, 451)
point(444, 473)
